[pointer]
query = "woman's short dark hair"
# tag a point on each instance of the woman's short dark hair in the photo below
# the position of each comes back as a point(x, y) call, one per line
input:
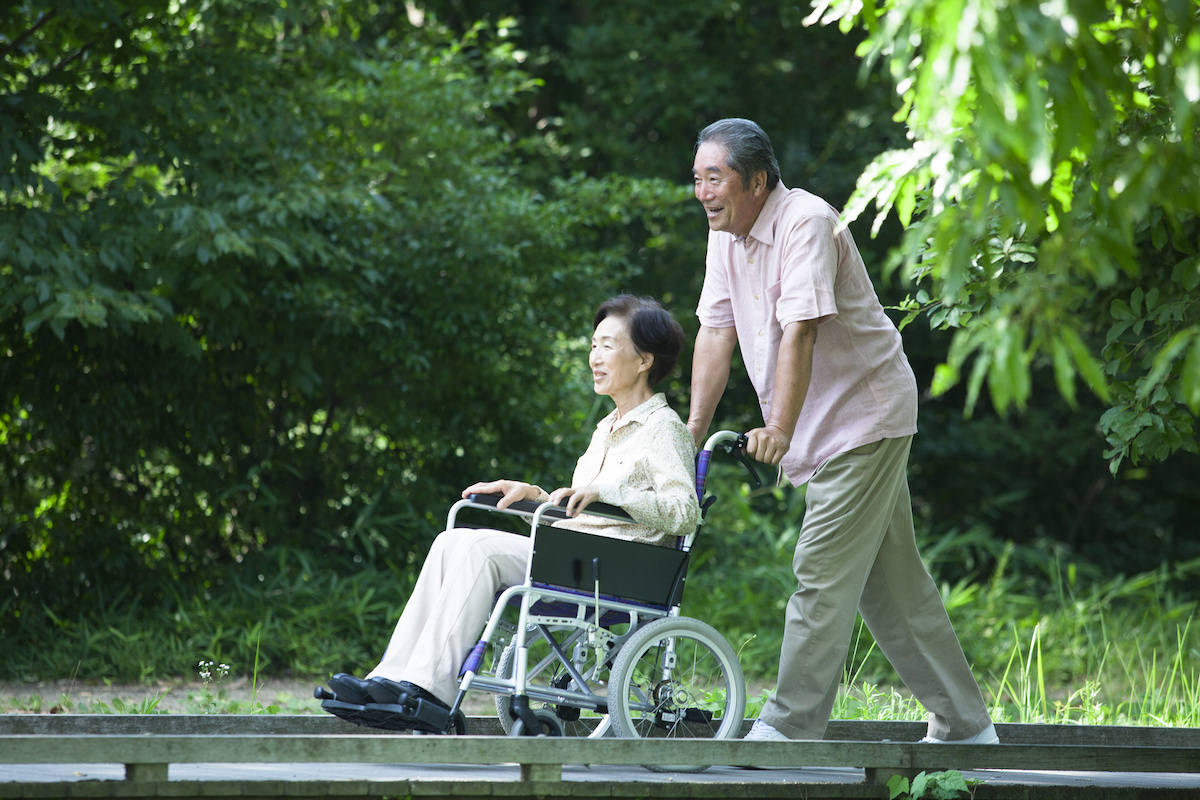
point(651, 327)
point(747, 146)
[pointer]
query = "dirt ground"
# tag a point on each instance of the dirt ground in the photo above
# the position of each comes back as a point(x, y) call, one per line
point(286, 695)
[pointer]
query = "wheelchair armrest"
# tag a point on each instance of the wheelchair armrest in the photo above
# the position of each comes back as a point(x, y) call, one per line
point(557, 512)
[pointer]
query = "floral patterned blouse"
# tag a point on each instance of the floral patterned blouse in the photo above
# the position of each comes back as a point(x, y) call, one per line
point(644, 463)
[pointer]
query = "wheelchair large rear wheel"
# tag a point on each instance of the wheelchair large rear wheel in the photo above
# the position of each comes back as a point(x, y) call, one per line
point(677, 678)
point(573, 722)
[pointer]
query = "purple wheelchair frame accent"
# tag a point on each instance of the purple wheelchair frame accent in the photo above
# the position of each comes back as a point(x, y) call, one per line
point(473, 660)
point(732, 444)
point(702, 472)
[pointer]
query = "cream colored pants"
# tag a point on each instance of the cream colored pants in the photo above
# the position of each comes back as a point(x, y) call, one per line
point(449, 606)
point(857, 552)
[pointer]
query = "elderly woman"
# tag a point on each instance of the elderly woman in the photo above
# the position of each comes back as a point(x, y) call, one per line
point(641, 458)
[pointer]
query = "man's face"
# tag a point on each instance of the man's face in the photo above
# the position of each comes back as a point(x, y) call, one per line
point(729, 205)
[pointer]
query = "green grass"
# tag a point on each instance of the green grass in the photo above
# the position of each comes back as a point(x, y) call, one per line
point(291, 615)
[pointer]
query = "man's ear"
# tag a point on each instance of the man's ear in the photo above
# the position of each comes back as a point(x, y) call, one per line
point(759, 184)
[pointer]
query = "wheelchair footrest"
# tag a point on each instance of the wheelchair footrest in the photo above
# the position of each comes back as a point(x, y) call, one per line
point(419, 715)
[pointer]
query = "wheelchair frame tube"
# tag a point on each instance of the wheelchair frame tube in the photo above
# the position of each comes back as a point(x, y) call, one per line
point(531, 594)
point(702, 459)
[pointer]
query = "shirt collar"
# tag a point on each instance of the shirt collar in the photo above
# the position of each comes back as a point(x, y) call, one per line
point(639, 414)
point(764, 225)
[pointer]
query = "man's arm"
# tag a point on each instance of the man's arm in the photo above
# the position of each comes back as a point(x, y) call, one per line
point(710, 373)
point(793, 371)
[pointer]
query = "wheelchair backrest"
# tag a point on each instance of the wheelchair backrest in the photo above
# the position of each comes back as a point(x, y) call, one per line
point(629, 571)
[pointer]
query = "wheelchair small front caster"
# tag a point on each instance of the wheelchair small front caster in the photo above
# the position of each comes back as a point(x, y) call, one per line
point(547, 725)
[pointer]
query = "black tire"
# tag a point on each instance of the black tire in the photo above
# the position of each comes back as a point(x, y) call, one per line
point(548, 725)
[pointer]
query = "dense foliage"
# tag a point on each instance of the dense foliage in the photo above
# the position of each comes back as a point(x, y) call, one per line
point(1051, 189)
point(276, 279)
point(267, 275)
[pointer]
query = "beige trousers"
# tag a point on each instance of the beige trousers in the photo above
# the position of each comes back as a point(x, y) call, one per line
point(857, 552)
point(449, 606)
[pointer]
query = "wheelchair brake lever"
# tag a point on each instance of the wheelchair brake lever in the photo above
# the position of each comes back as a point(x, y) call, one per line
point(737, 449)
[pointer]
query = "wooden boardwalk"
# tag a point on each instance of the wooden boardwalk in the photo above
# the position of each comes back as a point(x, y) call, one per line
point(182, 756)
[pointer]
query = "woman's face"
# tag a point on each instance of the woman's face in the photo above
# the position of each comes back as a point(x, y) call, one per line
point(617, 366)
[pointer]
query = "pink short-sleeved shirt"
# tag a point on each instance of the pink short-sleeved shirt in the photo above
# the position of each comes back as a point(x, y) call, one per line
point(794, 266)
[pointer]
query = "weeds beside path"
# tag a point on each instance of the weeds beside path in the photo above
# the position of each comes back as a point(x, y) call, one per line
point(281, 695)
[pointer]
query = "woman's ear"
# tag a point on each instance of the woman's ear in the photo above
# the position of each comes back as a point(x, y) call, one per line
point(647, 362)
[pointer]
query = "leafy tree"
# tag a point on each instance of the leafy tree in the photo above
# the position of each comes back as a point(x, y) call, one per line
point(268, 276)
point(1051, 194)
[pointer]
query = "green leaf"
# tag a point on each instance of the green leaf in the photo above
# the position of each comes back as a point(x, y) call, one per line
point(906, 199)
point(944, 379)
point(908, 318)
point(897, 785)
point(975, 382)
point(1165, 359)
point(918, 785)
point(1189, 378)
point(1089, 367)
point(948, 785)
point(1064, 371)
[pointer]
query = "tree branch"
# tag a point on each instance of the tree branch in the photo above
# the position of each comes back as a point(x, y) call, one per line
point(20, 39)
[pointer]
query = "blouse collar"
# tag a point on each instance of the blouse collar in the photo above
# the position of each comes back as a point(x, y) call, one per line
point(639, 414)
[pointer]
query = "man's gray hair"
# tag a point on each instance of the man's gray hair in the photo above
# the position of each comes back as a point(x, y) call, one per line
point(748, 148)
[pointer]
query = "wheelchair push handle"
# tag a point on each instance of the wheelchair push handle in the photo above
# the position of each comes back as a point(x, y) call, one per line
point(730, 443)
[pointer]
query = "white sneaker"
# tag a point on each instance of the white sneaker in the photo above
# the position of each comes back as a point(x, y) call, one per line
point(762, 732)
point(985, 736)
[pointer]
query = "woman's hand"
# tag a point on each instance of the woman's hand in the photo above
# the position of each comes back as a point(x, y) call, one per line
point(580, 498)
point(512, 491)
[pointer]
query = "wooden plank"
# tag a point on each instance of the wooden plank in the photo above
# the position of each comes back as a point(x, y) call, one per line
point(566, 790)
point(1024, 733)
point(327, 724)
point(464, 790)
point(366, 748)
point(441, 750)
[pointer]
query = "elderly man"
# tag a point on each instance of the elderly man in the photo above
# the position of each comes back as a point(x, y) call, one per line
point(839, 404)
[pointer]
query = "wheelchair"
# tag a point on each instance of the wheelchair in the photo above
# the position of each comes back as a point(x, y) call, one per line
point(599, 646)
